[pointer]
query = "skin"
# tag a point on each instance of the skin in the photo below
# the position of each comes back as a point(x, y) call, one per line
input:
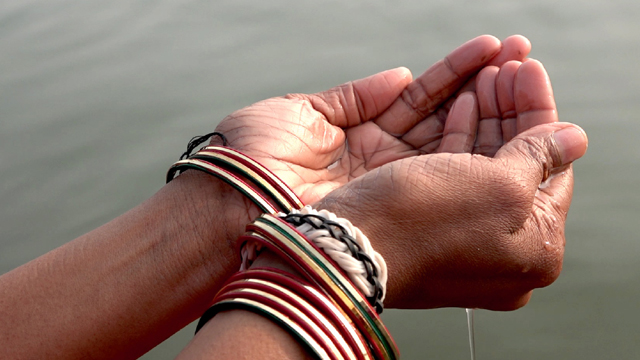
point(123, 288)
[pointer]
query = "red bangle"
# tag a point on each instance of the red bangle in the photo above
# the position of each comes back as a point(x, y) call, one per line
point(286, 242)
point(280, 186)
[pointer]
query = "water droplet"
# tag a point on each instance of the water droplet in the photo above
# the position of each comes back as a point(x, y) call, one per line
point(549, 246)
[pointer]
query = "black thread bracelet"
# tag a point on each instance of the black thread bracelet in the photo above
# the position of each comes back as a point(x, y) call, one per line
point(197, 140)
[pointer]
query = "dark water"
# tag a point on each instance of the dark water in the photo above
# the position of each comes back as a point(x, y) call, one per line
point(97, 99)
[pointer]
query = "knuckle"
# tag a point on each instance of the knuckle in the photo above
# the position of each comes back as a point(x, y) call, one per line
point(546, 274)
point(532, 258)
point(294, 96)
point(449, 65)
point(351, 100)
point(531, 146)
point(417, 99)
point(539, 153)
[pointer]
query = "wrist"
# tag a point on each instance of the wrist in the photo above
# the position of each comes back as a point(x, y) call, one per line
point(213, 210)
point(268, 259)
point(200, 218)
point(368, 221)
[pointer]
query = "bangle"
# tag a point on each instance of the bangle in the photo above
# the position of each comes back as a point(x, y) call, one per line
point(225, 175)
point(238, 170)
point(263, 182)
point(319, 300)
point(294, 304)
point(285, 191)
point(280, 315)
point(277, 235)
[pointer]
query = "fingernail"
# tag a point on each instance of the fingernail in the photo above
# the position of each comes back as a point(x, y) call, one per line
point(572, 143)
point(404, 70)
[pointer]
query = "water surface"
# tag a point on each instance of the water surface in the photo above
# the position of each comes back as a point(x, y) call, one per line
point(97, 99)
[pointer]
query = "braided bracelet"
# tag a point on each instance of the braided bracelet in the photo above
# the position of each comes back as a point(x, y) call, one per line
point(198, 140)
point(347, 246)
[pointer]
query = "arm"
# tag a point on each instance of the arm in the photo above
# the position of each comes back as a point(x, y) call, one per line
point(480, 231)
point(488, 246)
point(123, 288)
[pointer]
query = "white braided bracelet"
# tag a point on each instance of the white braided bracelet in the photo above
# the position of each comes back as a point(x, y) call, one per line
point(339, 252)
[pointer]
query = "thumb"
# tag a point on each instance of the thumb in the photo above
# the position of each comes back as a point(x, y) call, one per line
point(541, 160)
point(546, 149)
point(542, 156)
point(357, 101)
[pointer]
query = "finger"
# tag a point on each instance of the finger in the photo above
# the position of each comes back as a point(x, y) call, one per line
point(437, 84)
point(361, 100)
point(514, 48)
point(533, 96)
point(506, 102)
point(489, 138)
point(544, 150)
point(460, 129)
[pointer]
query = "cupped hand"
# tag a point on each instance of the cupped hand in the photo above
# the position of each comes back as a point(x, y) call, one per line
point(319, 142)
point(472, 230)
point(468, 230)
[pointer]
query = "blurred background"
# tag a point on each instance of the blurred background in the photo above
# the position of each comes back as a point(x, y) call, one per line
point(97, 99)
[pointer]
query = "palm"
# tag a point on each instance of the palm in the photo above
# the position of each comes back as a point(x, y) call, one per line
point(319, 142)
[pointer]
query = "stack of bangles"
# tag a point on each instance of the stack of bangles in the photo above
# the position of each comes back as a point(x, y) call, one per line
point(334, 307)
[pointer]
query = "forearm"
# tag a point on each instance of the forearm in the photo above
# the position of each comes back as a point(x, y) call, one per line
point(123, 288)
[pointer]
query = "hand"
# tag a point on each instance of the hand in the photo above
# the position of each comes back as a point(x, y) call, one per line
point(466, 230)
point(470, 230)
point(319, 142)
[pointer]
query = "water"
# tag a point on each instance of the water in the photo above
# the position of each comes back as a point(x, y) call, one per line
point(472, 335)
point(97, 99)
